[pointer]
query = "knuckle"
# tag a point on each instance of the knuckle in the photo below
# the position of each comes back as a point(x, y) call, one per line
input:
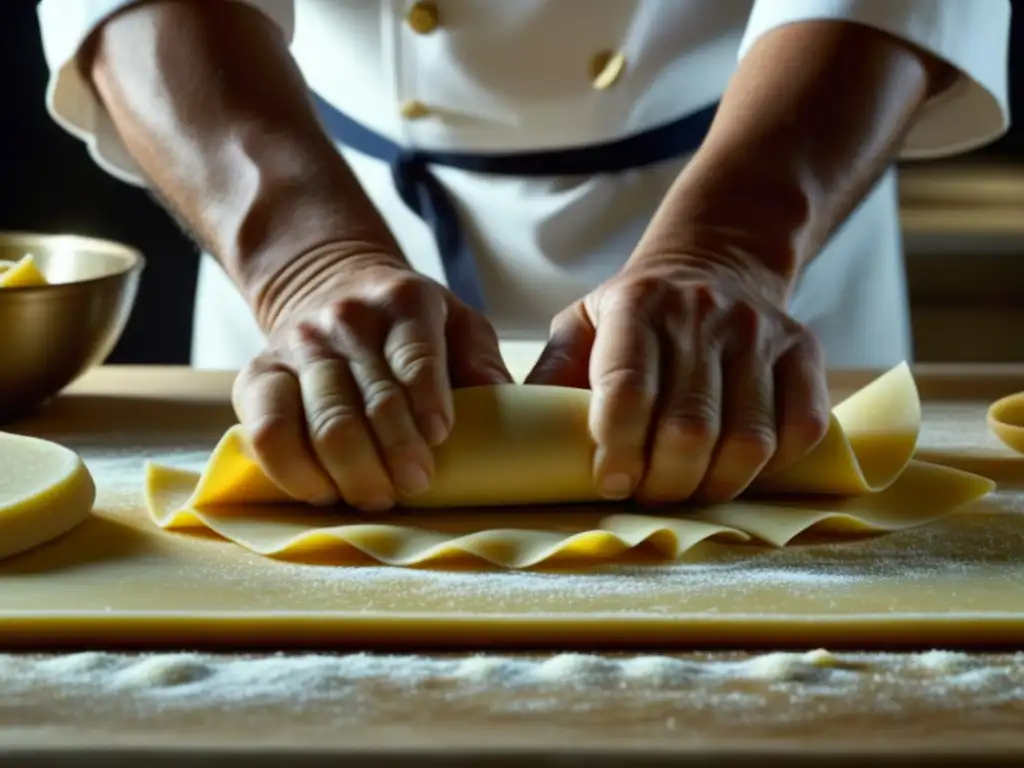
point(414, 363)
point(627, 384)
point(668, 482)
point(247, 376)
point(253, 382)
point(334, 422)
point(565, 320)
point(694, 406)
point(407, 290)
point(810, 428)
point(382, 400)
point(689, 430)
point(755, 442)
point(269, 434)
point(320, 377)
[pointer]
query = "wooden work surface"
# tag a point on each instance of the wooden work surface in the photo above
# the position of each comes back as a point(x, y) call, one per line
point(891, 708)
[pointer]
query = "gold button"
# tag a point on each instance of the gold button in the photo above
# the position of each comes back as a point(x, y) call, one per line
point(415, 110)
point(606, 68)
point(424, 17)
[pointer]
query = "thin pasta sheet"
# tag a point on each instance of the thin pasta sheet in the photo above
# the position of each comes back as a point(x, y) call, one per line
point(513, 488)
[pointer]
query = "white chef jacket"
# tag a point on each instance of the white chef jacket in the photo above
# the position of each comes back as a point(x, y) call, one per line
point(506, 76)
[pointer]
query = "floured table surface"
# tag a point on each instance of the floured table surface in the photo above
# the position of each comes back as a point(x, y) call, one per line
point(118, 580)
point(966, 570)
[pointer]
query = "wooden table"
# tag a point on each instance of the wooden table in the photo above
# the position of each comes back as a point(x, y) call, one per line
point(887, 712)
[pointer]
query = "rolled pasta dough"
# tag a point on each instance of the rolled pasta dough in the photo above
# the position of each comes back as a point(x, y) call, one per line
point(528, 445)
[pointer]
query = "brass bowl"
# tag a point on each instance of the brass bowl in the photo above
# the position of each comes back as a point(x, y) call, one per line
point(52, 334)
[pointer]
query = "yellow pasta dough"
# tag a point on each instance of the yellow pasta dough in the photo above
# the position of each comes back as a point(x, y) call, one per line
point(21, 274)
point(526, 446)
point(1006, 420)
point(45, 491)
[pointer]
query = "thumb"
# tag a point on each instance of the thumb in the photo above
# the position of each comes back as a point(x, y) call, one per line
point(565, 360)
point(474, 356)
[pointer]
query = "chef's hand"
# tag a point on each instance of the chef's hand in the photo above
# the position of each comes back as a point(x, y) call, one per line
point(700, 379)
point(354, 386)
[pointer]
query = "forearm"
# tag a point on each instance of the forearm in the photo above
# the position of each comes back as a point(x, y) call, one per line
point(812, 118)
point(212, 107)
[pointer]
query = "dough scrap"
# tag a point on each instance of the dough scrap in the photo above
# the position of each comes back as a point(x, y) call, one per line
point(21, 274)
point(528, 446)
point(45, 491)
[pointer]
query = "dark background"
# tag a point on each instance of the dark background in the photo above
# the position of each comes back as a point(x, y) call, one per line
point(50, 184)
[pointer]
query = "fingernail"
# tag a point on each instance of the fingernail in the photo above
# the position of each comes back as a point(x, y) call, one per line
point(617, 487)
point(437, 430)
point(412, 478)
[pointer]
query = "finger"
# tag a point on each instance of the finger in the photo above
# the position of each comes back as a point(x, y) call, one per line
point(624, 373)
point(688, 423)
point(416, 352)
point(748, 438)
point(268, 402)
point(339, 433)
point(474, 354)
point(408, 458)
point(802, 403)
point(565, 359)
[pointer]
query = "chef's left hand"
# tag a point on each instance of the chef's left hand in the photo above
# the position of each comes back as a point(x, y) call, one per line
point(701, 381)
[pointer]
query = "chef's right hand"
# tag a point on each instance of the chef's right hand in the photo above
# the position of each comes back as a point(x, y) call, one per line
point(355, 384)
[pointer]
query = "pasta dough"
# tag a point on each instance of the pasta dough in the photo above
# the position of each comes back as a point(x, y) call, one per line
point(1006, 420)
point(45, 491)
point(21, 274)
point(527, 445)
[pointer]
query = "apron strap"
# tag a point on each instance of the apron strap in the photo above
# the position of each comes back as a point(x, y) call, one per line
point(425, 196)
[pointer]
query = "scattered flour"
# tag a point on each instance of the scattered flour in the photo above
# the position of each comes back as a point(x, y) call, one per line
point(777, 687)
point(243, 676)
point(578, 669)
point(943, 662)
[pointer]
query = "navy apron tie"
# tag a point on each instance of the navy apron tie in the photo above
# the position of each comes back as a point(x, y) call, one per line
point(426, 197)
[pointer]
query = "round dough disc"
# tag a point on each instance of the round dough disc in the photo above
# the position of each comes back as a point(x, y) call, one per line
point(45, 491)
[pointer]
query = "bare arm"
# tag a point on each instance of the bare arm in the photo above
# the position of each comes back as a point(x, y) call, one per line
point(213, 108)
point(688, 350)
point(814, 115)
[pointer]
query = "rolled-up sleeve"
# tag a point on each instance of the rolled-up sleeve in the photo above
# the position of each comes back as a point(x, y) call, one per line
point(65, 25)
point(971, 35)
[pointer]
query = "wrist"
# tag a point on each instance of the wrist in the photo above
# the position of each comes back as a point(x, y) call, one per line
point(720, 255)
point(284, 282)
point(741, 211)
point(279, 233)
